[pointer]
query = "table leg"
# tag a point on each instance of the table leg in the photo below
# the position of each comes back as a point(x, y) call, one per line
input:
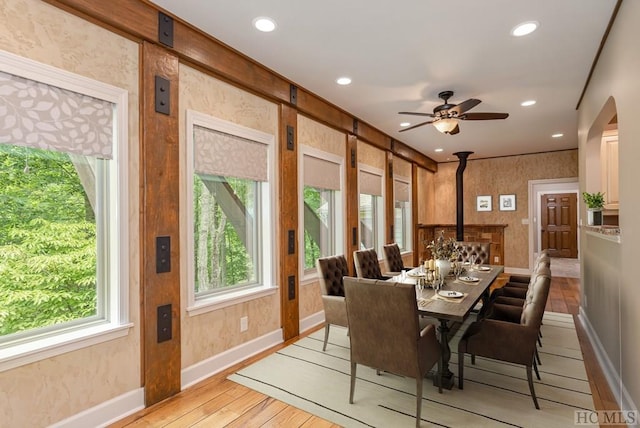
point(447, 375)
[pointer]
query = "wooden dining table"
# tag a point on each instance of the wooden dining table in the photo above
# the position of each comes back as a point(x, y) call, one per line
point(448, 310)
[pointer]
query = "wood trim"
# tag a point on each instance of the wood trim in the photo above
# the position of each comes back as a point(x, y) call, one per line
point(288, 218)
point(159, 216)
point(352, 208)
point(414, 214)
point(389, 199)
point(139, 19)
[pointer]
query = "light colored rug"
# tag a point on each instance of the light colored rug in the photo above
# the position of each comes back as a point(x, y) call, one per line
point(495, 393)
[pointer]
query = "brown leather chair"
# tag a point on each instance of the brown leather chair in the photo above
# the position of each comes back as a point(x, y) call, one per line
point(509, 341)
point(367, 264)
point(393, 260)
point(385, 333)
point(482, 251)
point(331, 270)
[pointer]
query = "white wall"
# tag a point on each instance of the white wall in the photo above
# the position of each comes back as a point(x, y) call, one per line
point(610, 269)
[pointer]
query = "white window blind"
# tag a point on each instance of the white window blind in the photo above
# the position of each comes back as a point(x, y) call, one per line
point(401, 190)
point(370, 184)
point(218, 153)
point(321, 173)
point(46, 117)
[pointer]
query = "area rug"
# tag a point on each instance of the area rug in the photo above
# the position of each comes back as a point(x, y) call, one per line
point(495, 393)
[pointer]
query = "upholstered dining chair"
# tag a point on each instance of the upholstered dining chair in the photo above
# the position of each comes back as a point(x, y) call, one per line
point(367, 264)
point(482, 251)
point(385, 334)
point(331, 270)
point(393, 260)
point(509, 341)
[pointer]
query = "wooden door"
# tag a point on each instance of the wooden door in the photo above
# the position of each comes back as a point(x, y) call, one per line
point(559, 224)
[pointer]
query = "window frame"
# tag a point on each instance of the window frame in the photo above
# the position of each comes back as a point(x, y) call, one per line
point(50, 341)
point(213, 301)
point(310, 275)
point(378, 233)
point(408, 228)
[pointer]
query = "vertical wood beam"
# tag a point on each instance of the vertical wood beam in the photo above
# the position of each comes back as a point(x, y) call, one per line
point(288, 215)
point(389, 199)
point(415, 200)
point(159, 216)
point(351, 186)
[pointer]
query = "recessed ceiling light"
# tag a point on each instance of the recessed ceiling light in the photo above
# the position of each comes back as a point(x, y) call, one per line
point(405, 124)
point(343, 81)
point(558, 135)
point(524, 28)
point(438, 150)
point(264, 24)
point(528, 103)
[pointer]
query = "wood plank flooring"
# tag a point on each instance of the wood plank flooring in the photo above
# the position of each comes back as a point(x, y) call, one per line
point(218, 402)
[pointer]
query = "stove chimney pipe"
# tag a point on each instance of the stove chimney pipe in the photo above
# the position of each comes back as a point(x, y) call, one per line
point(460, 194)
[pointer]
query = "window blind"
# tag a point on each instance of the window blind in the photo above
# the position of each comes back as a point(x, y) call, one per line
point(321, 173)
point(42, 116)
point(370, 184)
point(218, 153)
point(401, 191)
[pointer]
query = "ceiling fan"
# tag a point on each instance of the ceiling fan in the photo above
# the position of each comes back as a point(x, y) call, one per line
point(446, 116)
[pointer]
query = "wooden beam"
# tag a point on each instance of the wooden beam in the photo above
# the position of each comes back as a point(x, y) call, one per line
point(389, 199)
point(353, 217)
point(159, 216)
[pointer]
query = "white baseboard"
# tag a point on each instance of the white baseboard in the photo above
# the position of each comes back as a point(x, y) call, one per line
point(613, 378)
point(106, 413)
point(311, 321)
point(217, 363)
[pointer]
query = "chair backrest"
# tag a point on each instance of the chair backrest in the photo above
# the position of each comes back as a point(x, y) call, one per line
point(331, 270)
point(383, 325)
point(393, 258)
point(482, 251)
point(367, 265)
point(536, 300)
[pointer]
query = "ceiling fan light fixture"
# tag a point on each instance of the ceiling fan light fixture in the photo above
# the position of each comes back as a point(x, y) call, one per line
point(445, 125)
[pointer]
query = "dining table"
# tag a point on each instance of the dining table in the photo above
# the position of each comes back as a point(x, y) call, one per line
point(451, 303)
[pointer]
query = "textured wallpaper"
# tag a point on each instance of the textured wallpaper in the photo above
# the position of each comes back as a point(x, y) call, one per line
point(370, 155)
point(209, 334)
point(508, 175)
point(67, 384)
point(319, 136)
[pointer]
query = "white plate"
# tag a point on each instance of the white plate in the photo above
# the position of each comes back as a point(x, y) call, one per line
point(416, 275)
point(484, 268)
point(469, 279)
point(451, 294)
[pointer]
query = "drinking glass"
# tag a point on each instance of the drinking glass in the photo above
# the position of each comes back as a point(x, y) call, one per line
point(473, 262)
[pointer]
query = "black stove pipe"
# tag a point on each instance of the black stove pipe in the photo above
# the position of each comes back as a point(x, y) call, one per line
point(460, 194)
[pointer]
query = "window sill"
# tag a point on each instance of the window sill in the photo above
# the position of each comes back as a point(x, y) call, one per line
point(51, 346)
point(229, 299)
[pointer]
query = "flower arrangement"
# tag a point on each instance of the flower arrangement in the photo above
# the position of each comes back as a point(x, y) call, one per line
point(444, 249)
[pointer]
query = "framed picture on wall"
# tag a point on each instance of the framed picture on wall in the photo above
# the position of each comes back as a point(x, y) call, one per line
point(507, 202)
point(483, 203)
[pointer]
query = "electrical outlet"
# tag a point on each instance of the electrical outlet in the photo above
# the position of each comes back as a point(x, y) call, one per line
point(584, 299)
point(496, 259)
point(244, 324)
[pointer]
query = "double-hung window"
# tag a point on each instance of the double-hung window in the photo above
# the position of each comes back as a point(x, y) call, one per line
point(63, 211)
point(371, 203)
point(321, 205)
point(402, 233)
point(230, 221)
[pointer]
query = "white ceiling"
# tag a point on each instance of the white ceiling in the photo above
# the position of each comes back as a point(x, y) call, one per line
point(401, 54)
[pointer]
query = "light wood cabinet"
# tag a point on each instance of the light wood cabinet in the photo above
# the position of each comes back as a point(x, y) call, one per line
point(609, 168)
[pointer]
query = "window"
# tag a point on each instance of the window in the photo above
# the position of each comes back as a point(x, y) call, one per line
point(371, 208)
point(321, 205)
point(402, 233)
point(63, 247)
point(230, 204)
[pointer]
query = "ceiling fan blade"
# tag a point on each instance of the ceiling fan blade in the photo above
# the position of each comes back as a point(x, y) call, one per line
point(465, 106)
point(484, 116)
point(415, 113)
point(455, 130)
point(416, 126)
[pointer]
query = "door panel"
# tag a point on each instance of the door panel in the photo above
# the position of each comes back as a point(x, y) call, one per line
point(559, 224)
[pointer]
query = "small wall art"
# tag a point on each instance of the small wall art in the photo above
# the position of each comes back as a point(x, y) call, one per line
point(483, 203)
point(507, 202)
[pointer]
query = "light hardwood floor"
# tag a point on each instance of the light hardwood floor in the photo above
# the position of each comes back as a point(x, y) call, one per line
point(218, 402)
